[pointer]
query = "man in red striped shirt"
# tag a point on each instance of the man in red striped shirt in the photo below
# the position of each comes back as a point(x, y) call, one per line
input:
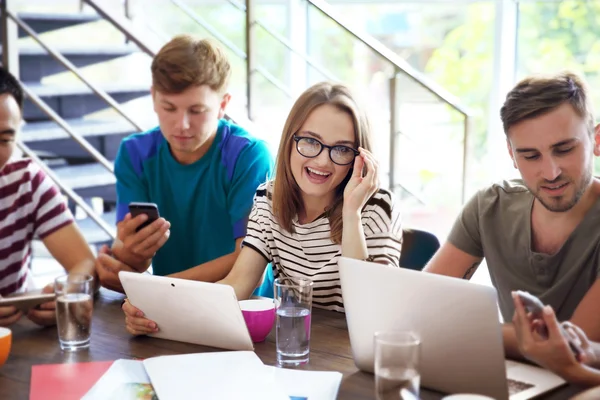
point(30, 206)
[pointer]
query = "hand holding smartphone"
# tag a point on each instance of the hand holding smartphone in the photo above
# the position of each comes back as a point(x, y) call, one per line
point(27, 300)
point(150, 209)
point(535, 307)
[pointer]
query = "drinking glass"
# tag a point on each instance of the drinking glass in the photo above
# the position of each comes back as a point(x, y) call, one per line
point(293, 301)
point(397, 355)
point(74, 306)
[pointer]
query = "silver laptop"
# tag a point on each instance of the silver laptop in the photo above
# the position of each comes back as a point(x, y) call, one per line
point(457, 321)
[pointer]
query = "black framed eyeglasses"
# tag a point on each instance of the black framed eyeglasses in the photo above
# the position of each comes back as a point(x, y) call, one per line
point(310, 147)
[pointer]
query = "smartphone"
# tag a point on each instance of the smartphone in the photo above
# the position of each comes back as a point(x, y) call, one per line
point(150, 209)
point(532, 304)
point(25, 301)
point(535, 306)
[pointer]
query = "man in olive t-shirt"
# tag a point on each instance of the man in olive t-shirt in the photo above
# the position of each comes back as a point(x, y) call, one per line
point(540, 233)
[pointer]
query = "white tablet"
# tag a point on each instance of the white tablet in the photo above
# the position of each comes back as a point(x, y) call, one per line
point(202, 313)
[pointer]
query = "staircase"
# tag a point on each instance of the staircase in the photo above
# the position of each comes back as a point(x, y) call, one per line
point(83, 111)
point(407, 145)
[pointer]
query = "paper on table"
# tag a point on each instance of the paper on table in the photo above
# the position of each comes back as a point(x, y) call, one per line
point(220, 375)
point(124, 380)
point(65, 381)
point(306, 385)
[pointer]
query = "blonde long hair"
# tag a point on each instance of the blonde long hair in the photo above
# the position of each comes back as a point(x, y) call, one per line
point(286, 197)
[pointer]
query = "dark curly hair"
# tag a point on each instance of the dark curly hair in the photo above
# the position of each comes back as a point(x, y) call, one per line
point(9, 84)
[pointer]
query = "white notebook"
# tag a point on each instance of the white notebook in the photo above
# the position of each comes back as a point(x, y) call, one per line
point(220, 375)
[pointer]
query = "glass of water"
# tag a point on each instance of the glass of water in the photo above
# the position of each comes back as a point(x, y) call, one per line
point(397, 355)
point(293, 300)
point(74, 306)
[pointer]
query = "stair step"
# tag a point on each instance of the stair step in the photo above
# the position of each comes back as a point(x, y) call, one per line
point(45, 90)
point(49, 130)
point(76, 101)
point(85, 176)
point(105, 135)
point(89, 180)
point(80, 50)
point(36, 63)
point(42, 23)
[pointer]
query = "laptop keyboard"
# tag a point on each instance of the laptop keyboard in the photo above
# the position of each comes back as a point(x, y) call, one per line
point(515, 386)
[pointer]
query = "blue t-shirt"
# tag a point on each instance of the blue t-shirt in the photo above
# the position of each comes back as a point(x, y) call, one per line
point(207, 202)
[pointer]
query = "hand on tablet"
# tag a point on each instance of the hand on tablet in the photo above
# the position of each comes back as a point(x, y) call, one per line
point(135, 322)
point(45, 313)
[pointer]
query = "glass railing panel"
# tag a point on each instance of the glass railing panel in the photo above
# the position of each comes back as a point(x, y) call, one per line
point(428, 162)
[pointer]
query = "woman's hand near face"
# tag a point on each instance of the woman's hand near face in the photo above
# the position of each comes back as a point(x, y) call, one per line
point(359, 189)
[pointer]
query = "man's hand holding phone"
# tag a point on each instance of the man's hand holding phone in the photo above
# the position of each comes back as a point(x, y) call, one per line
point(535, 310)
point(557, 349)
point(139, 236)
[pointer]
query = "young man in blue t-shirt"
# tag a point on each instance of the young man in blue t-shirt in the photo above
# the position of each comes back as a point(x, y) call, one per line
point(201, 170)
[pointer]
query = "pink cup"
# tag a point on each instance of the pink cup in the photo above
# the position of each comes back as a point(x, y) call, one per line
point(259, 315)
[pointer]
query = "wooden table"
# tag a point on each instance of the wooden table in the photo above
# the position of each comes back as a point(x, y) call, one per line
point(330, 351)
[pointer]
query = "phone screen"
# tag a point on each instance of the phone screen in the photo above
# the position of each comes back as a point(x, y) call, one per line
point(150, 209)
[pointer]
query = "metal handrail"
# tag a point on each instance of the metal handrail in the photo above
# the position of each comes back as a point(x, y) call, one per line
point(286, 43)
point(205, 25)
point(72, 68)
point(372, 44)
point(326, 9)
point(63, 124)
point(238, 52)
point(67, 190)
point(398, 62)
point(121, 26)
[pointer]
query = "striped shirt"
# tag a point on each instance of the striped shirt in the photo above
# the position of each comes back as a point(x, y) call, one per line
point(30, 205)
point(310, 252)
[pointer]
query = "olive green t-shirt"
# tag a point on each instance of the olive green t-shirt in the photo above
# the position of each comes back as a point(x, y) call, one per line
point(496, 224)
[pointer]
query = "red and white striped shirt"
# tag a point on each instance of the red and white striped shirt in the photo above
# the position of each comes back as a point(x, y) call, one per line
point(30, 205)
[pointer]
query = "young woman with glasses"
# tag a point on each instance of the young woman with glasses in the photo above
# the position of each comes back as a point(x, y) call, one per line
point(324, 202)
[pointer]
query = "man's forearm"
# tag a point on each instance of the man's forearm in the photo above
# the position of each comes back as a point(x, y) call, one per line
point(511, 346)
point(211, 271)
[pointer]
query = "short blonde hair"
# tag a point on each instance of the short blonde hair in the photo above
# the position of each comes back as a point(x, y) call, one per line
point(538, 95)
point(286, 197)
point(186, 61)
